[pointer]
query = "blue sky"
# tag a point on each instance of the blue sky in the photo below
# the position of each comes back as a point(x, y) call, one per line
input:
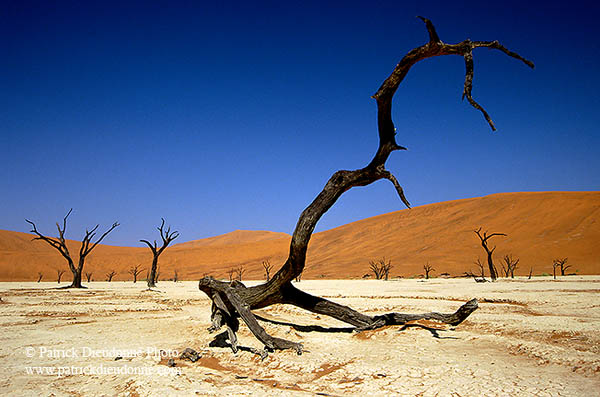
point(233, 116)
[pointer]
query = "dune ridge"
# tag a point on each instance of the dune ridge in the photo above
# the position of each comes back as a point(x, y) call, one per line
point(540, 226)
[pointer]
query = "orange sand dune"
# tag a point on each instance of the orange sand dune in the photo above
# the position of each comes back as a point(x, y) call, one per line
point(540, 227)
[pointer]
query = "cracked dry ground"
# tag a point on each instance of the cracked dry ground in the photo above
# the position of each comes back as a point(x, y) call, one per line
point(529, 337)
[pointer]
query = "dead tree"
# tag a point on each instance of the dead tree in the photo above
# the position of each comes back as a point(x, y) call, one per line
point(230, 273)
point(60, 244)
point(88, 276)
point(232, 301)
point(167, 237)
point(562, 263)
point(530, 273)
point(40, 275)
point(175, 275)
point(135, 271)
point(381, 268)
point(110, 275)
point(484, 243)
point(375, 267)
point(428, 268)
point(266, 264)
point(509, 266)
point(59, 274)
point(240, 272)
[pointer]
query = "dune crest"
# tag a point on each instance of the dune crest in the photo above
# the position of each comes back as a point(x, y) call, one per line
point(540, 226)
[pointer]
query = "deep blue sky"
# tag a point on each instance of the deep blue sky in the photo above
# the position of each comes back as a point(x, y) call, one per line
point(221, 117)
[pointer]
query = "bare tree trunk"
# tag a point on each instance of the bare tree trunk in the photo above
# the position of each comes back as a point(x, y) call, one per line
point(484, 240)
point(60, 245)
point(232, 300)
point(167, 237)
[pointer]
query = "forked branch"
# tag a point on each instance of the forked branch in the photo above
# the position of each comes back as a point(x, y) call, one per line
point(231, 302)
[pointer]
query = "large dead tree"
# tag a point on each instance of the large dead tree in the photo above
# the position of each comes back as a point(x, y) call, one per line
point(232, 301)
point(60, 244)
point(167, 237)
point(484, 243)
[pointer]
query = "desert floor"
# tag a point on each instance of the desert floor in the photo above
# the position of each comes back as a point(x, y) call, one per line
point(534, 337)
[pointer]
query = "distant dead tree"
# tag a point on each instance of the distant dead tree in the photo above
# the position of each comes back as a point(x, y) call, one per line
point(110, 275)
point(376, 269)
point(232, 302)
point(428, 268)
point(88, 276)
point(530, 273)
point(60, 244)
point(59, 274)
point(562, 263)
point(240, 272)
point(509, 266)
point(484, 243)
point(135, 271)
point(40, 275)
point(167, 237)
point(266, 264)
point(230, 273)
point(175, 275)
point(478, 278)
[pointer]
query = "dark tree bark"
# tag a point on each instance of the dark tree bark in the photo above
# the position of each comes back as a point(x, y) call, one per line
point(110, 275)
point(428, 269)
point(167, 237)
point(562, 263)
point(60, 244)
point(88, 276)
point(135, 271)
point(484, 243)
point(266, 264)
point(509, 266)
point(232, 300)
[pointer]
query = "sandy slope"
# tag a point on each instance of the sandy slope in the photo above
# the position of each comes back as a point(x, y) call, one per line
point(528, 338)
point(540, 227)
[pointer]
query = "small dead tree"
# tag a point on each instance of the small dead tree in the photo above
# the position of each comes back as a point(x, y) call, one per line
point(375, 267)
point(135, 271)
point(562, 263)
point(88, 276)
point(530, 273)
point(110, 275)
point(428, 268)
point(509, 266)
point(266, 264)
point(230, 273)
point(232, 301)
point(60, 244)
point(167, 237)
point(59, 274)
point(40, 276)
point(240, 272)
point(484, 243)
point(175, 275)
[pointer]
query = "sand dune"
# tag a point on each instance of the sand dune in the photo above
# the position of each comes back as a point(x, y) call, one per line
point(540, 227)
